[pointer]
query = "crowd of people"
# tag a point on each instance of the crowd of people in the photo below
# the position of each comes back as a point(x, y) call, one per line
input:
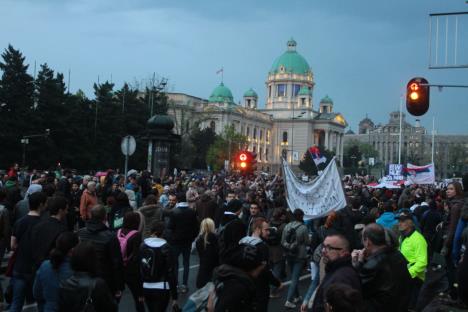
point(76, 242)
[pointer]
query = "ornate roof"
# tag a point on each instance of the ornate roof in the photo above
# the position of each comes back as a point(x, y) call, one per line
point(326, 100)
point(250, 93)
point(221, 94)
point(290, 61)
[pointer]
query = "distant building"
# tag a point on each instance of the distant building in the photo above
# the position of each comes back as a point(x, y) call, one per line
point(450, 151)
point(289, 123)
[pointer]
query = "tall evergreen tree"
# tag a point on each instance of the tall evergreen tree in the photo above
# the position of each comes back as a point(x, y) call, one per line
point(16, 102)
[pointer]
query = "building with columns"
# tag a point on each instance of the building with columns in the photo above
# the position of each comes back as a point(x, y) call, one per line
point(450, 151)
point(289, 122)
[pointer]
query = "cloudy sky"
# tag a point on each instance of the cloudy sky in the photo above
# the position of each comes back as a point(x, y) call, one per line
point(362, 53)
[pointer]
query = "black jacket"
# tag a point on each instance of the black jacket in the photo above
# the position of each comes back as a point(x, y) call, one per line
point(235, 290)
point(169, 274)
point(339, 271)
point(110, 264)
point(43, 236)
point(183, 225)
point(231, 231)
point(74, 291)
point(208, 256)
point(385, 281)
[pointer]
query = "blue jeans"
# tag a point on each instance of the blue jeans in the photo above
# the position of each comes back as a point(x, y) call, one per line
point(295, 267)
point(22, 289)
point(313, 285)
point(185, 251)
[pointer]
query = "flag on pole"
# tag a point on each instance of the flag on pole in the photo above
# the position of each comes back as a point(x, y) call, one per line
point(316, 156)
point(420, 174)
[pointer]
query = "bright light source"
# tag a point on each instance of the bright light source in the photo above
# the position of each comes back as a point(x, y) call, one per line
point(414, 95)
point(414, 87)
point(243, 165)
point(243, 157)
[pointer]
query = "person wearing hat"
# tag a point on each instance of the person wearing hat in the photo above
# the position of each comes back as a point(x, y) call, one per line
point(413, 246)
point(230, 232)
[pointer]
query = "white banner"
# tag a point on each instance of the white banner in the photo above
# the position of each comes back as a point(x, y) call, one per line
point(318, 197)
point(420, 174)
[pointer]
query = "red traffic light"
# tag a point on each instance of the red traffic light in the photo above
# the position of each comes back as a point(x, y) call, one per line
point(417, 96)
point(242, 156)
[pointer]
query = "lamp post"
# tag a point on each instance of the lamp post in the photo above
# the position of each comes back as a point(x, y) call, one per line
point(25, 141)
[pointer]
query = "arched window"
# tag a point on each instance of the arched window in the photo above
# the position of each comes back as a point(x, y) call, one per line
point(213, 125)
point(248, 132)
point(285, 136)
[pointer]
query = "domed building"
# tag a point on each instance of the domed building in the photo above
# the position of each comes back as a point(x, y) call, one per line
point(288, 124)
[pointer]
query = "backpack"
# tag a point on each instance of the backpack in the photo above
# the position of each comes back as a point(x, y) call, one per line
point(152, 263)
point(220, 233)
point(123, 240)
point(290, 241)
point(198, 301)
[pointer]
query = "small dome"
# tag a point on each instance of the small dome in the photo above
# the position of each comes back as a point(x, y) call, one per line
point(160, 122)
point(291, 61)
point(250, 93)
point(304, 90)
point(221, 94)
point(327, 100)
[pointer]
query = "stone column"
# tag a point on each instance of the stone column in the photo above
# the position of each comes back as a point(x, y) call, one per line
point(341, 148)
point(337, 147)
point(391, 152)
point(327, 135)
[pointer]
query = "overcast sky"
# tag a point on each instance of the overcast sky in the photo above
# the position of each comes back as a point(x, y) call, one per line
point(362, 53)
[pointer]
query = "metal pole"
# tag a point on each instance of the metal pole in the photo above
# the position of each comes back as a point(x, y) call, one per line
point(292, 136)
point(399, 139)
point(433, 140)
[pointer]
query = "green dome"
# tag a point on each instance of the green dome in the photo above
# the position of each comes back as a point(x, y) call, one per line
point(304, 91)
point(326, 100)
point(250, 93)
point(160, 122)
point(291, 61)
point(221, 94)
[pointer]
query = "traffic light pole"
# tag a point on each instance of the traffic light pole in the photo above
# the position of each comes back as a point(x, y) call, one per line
point(444, 86)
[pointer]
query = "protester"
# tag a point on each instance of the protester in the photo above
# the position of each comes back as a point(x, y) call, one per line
point(21, 244)
point(45, 233)
point(294, 240)
point(206, 206)
point(88, 200)
point(383, 273)
point(152, 211)
point(413, 246)
point(387, 219)
point(107, 247)
point(53, 272)
point(157, 267)
point(343, 298)
point(208, 250)
point(338, 269)
point(183, 226)
point(84, 290)
point(230, 232)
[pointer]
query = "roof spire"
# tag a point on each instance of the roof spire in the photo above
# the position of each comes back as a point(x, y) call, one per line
point(292, 44)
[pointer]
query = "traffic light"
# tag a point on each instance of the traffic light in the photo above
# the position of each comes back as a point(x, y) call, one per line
point(243, 160)
point(417, 96)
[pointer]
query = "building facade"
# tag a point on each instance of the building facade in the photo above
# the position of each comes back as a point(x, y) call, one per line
point(288, 124)
point(450, 151)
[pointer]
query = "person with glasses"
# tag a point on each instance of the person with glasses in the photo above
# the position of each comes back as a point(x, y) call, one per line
point(382, 269)
point(336, 255)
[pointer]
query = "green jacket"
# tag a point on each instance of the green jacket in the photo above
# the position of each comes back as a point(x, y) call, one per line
point(414, 249)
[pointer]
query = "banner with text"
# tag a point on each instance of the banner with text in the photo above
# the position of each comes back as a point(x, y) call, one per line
point(318, 197)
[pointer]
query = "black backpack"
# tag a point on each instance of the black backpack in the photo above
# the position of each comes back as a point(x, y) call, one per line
point(152, 263)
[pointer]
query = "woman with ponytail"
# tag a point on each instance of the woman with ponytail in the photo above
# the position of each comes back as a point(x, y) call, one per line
point(53, 271)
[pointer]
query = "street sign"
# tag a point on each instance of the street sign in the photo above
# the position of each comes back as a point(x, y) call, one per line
point(295, 155)
point(128, 145)
point(371, 161)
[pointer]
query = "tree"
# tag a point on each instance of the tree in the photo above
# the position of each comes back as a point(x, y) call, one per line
point(16, 103)
point(225, 147)
point(202, 141)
